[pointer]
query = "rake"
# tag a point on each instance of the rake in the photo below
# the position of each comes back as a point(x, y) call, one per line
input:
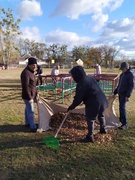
point(52, 141)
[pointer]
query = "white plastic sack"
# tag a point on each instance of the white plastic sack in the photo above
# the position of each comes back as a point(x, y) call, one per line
point(46, 109)
point(44, 116)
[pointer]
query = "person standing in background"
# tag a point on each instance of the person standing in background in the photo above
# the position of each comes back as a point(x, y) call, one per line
point(39, 73)
point(29, 92)
point(98, 69)
point(55, 70)
point(79, 62)
point(124, 91)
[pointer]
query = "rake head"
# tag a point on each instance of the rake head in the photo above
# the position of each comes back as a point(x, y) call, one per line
point(51, 142)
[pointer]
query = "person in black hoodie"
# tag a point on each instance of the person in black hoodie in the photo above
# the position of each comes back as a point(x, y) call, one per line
point(88, 92)
point(124, 91)
point(39, 72)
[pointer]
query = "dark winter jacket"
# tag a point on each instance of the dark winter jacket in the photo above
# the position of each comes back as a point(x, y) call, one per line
point(39, 70)
point(88, 92)
point(126, 84)
point(28, 82)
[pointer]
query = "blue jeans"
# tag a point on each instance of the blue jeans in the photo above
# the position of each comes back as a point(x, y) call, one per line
point(29, 114)
point(122, 109)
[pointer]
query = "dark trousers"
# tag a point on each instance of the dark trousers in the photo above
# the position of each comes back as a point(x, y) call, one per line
point(90, 124)
point(122, 109)
point(39, 80)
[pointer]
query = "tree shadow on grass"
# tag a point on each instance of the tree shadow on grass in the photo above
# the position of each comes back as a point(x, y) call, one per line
point(11, 96)
point(20, 142)
point(13, 128)
point(13, 136)
point(11, 83)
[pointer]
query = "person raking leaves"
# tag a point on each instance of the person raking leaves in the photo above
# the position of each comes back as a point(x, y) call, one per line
point(88, 92)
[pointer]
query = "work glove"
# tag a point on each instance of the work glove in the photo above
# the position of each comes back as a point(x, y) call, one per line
point(37, 97)
point(70, 108)
point(31, 101)
point(113, 95)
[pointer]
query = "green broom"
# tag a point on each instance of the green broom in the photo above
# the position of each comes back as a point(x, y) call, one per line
point(52, 141)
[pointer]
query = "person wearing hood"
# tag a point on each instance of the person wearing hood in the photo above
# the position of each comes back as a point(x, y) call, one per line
point(29, 92)
point(124, 91)
point(88, 92)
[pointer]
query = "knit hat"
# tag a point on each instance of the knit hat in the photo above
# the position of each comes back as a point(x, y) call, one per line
point(124, 65)
point(32, 60)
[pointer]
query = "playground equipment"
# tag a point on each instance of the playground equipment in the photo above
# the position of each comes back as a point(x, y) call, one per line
point(62, 83)
point(58, 83)
point(107, 82)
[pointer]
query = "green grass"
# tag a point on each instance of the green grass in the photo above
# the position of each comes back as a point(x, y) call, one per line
point(23, 156)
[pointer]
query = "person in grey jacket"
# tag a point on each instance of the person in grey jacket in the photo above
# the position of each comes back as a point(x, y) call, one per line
point(124, 91)
point(88, 92)
point(29, 92)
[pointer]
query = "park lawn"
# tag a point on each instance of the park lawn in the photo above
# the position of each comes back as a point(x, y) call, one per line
point(24, 156)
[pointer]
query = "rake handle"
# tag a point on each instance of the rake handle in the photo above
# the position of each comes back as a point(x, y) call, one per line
point(61, 125)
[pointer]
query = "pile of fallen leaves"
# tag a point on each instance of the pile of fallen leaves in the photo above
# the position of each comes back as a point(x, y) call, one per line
point(75, 128)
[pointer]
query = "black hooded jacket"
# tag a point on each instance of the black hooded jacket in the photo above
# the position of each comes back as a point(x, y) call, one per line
point(126, 84)
point(88, 92)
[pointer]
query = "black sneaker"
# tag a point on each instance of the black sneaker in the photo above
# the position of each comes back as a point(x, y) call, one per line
point(27, 125)
point(103, 131)
point(87, 139)
point(123, 127)
point(33, 130)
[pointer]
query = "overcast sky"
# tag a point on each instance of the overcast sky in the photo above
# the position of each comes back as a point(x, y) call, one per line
point(78, 22)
